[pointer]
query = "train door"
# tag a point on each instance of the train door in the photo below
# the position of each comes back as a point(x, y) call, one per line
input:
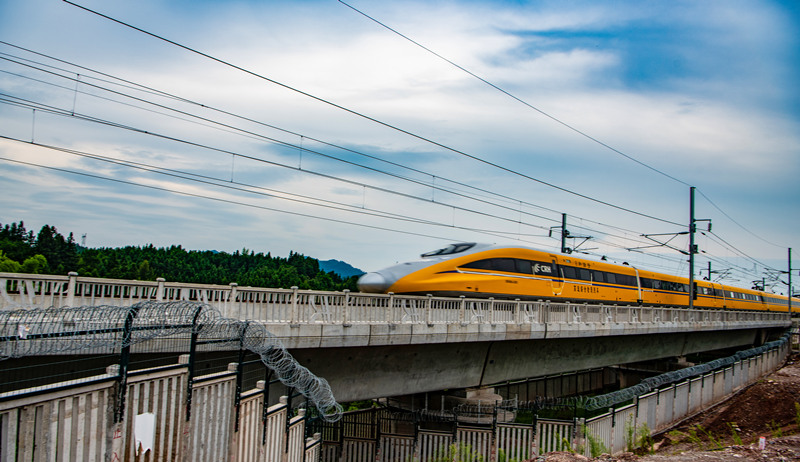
point(720, 292)
point(712, 296)
point(639, 299)
point(557, 282)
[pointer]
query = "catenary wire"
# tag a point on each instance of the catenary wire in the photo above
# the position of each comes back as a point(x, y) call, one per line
point(369, 118)
point(509, 233)
point(529, 105)
point(304, 149)
point(65, 113)
point(549, 116)
point(149, 89)
point(261, 191)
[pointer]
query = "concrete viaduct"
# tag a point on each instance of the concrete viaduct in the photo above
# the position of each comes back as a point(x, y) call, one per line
point(369, 346)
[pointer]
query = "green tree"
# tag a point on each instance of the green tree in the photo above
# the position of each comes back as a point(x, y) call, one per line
point(34, 265)
point(8, 265)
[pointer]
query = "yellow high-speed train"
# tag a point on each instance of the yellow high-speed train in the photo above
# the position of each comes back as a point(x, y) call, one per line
point(502, 272)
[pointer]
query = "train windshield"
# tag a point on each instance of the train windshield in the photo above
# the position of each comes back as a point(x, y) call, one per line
point(450, 250)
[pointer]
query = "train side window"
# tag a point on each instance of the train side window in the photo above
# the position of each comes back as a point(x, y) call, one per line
point(647, 283)
point(569, 272)
point(626, 280)
point(507, 265)
point(585, 274)
point(524, 267)
point(611, 277)
point(598, 276)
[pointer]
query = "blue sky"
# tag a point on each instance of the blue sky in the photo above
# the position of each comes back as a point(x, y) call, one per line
point(701, 93)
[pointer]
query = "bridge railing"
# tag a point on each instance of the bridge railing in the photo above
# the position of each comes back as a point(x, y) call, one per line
point(312, 307)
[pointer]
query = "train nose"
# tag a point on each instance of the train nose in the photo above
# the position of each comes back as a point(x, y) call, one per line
point(373, 282)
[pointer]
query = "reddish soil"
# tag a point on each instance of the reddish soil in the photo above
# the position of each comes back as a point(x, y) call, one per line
point(769, 408)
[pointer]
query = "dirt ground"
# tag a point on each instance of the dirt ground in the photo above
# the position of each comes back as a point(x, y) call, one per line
point(731, 431)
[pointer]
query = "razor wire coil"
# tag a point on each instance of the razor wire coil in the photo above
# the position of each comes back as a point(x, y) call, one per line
point(38, 331)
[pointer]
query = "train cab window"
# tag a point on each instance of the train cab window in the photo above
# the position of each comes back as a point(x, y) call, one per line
point(450, 250)
point(479, 264)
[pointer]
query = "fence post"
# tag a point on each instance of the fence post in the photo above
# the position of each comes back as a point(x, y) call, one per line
point(237, 399)
point(124, 362)
point(71, 286)
point(190, 363)
point(265, 406)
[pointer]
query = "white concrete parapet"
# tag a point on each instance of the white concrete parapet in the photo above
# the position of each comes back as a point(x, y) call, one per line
point(310, 319)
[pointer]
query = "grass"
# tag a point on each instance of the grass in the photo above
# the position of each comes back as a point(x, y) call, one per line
point(735, 433)
point(775, 428)
point(797, 415)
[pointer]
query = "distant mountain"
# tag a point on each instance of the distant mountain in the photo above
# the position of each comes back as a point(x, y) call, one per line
point(339, 267)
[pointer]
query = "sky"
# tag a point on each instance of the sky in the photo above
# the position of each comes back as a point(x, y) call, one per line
point(372, 132)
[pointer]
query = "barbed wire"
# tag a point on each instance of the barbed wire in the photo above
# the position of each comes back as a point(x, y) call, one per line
point(593, 403)
point(36, 331)
point(645, 386)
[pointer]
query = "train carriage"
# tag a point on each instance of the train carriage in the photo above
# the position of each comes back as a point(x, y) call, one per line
point(483, 270)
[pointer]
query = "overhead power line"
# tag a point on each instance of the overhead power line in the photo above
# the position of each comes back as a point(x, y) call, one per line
point(369, 118)
point(527, 104)
point(81, 79)
point(549, 116)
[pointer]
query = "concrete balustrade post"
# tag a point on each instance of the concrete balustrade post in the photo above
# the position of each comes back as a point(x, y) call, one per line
point(462, 309)
point(546, 312)
point(388, 315)
point(294, 304)
point(231, 302)
point(71, 287)
point(160, 289)
point(428, 309)
point(345, 305)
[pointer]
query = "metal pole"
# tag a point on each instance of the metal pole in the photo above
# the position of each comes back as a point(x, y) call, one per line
point(564, 233)
point(790, 281)
point(691, 247)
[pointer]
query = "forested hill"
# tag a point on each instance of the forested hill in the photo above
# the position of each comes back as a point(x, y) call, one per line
point(49, 252)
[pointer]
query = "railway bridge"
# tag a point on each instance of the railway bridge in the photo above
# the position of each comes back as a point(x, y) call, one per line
point(375, 345)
